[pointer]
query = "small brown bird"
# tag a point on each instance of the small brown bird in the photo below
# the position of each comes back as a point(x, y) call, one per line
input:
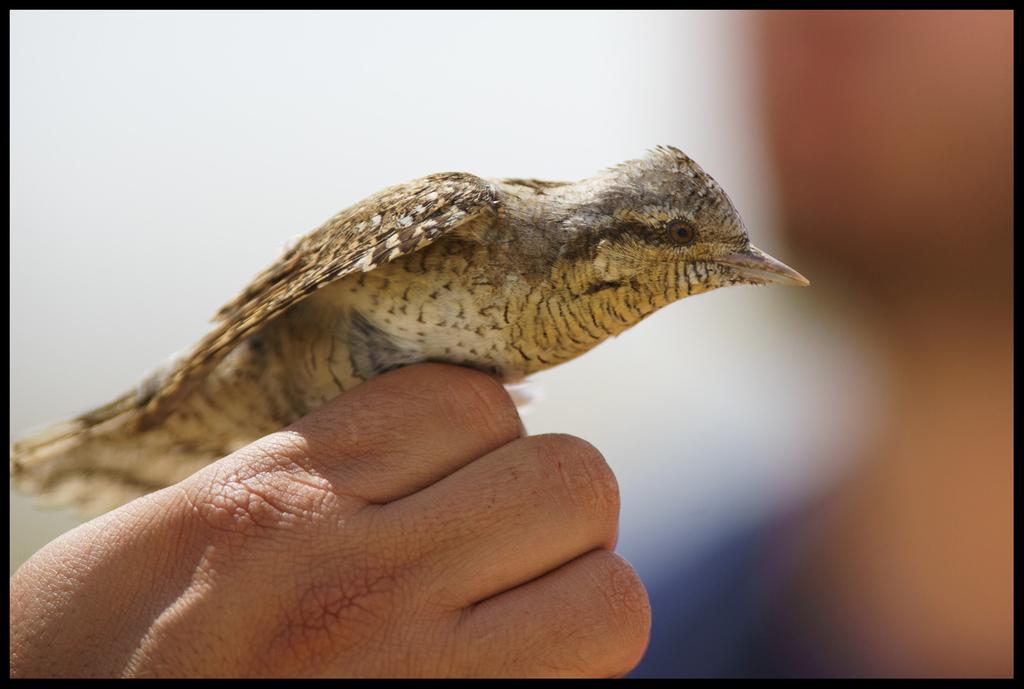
point(509, 276)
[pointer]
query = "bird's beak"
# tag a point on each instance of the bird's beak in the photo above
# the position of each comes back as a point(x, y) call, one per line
point(757, 266)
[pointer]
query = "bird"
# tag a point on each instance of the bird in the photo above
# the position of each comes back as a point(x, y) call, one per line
point(508, 276)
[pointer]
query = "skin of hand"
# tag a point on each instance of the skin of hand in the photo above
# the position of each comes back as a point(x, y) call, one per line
point(407, 528)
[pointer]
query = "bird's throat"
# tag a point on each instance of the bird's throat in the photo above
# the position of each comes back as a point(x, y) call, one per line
point(577, 312)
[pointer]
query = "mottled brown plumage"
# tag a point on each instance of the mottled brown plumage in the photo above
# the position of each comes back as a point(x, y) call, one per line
point(389, 224)
point(508, 276)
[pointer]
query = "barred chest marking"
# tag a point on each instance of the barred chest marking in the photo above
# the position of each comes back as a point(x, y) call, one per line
point(425, 307)
point(451, 302)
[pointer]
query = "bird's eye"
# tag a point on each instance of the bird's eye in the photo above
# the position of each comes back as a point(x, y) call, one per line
point(681, 232)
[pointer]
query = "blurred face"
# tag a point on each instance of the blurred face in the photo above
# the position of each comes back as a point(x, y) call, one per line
point(892, 133)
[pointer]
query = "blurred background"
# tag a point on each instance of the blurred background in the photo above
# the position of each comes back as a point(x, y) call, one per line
point(814, 482)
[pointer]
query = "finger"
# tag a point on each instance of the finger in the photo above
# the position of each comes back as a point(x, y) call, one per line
point(590, 617)
point(402, 431)
point(507, 518)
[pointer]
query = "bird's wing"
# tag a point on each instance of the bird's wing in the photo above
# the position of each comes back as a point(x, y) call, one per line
point(389, 224)
point(538, 186)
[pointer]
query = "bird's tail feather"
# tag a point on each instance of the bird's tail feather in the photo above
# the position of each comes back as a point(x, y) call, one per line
point(99, 461)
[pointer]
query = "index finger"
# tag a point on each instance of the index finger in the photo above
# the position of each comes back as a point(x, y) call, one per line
point(404, 430)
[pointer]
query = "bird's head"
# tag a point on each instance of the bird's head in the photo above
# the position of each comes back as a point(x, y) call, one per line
point(663, 225)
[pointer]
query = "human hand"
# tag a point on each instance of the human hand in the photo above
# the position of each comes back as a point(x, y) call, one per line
point(404, 529)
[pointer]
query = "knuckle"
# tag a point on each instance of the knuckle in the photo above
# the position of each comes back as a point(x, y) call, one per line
point(261, 491)
point(581, 472)
point(625, 615)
